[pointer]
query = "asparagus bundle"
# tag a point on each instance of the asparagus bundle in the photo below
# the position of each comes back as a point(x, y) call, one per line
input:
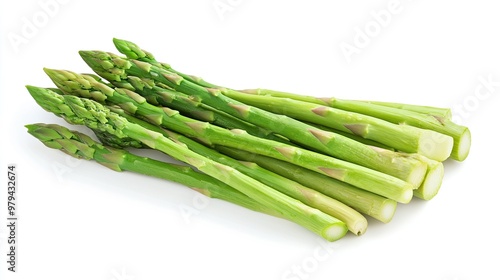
point(117, 69)
point(361, 177)
point(95, 116)
point(318, 162)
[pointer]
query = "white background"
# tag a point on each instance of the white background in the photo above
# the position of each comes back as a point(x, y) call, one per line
point(79, 220)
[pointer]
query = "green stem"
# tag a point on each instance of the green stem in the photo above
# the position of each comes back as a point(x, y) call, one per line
point(437, 112)
point(354, 137)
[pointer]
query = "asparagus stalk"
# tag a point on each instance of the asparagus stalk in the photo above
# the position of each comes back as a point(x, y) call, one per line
point(354, 137)
point(192, 107)
point(460, 134)
point(95, 116)
point(402, 137)
point(81, 146)
point(368, 203)
point(115, 68)
point(433, 179)
point(437, 112)
point(131, 102)
point(444, 113)
point(355, 222)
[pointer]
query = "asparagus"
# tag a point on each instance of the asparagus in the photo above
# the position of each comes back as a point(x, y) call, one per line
point(437, 112)
point(354, 137)
point(460, 134)
point(133, 51)
point(444, 113)
point(401, 137)
point(95, 116)
point(79, 145)
point(433, 179)
point(131, 102)
point(355, 222)
point(192, 107)
point(115, 68)
point(172, 99)
point(437, 119)
point(368, 203)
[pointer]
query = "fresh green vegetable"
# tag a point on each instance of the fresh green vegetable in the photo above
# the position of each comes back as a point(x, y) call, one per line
point(437, 112)
point(318, 162)
point(133, 103)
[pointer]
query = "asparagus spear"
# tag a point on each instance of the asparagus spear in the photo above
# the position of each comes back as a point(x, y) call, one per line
point(444, 113)
point(354, 137)
point(437, 112)
point(368, 203)
point(355, 222)
point(95, 116)
point(192, 107)
point(461, 134)
point(401, 137)
point(433, 179)
point(131, 102)
point(81, 146)
point(115, 68)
